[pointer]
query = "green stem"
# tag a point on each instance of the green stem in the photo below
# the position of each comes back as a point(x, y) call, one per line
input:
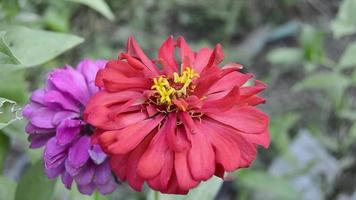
point(156, 195)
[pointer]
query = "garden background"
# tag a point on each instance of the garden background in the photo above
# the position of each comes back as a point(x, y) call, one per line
point(305, 50)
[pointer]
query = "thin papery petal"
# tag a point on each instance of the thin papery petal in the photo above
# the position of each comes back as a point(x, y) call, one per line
point(202, 59)
point(223, 104)
point(216, 57)
point(86, 175)
point(78, 153)
point(166, 54)
point(43, 118)
point(175, 136)
point(133, 179)
point(201, 154)
point(55, 97)
point(231, 80)
point(185, 51)
point(153, 159)
point(67, 131)
point(102, 174)
point(129, 137)
point(89, 68)
point(247, 119)
point(97, 154)
point(87, 189)
point(67, 180)
point(70, 81)
point(39, 140)
point(134, 49)
point(184, 178)
point(108, 187)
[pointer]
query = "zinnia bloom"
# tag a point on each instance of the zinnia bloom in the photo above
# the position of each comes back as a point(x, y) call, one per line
point(174, 123)
point(55, 121)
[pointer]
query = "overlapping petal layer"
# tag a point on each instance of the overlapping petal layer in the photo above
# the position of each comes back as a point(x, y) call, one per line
point(55, 121)
point(173, 123)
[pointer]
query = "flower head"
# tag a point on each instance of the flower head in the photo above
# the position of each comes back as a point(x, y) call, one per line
point(174, 123)
point(55, 121)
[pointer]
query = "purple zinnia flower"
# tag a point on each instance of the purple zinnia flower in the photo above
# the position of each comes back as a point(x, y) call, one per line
point(55, 121)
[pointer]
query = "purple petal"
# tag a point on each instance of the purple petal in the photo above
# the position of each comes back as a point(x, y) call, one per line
point(43, 118)
point(72, 82)
point(86, 189)
point(67, 180)
point(39, 140)
point(31, 108)
point(73, 171)
point(78, 153)
point(96, 154)
point(89, 69)
point(57, 98)
point(54, 154)
point(67, 131)
point(85, 175)
point(38, 96)
point(107, 188)
point(102, 173)
point(63, 115)
point(32, 129)
point(54, 172)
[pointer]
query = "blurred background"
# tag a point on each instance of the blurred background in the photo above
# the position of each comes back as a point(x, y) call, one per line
point(305, 50)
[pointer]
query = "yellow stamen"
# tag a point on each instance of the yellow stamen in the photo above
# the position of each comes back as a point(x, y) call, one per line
point(166, 92)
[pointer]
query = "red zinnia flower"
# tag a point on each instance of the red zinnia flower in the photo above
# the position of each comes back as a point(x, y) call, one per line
point(180, 124)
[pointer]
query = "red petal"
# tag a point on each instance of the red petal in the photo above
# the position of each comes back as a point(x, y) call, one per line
point(128, 138)
point(223, 104)
point(185, 51)
point(154, 158)
point(134, 180)
point(201, 156)
point(134, 49)
point(247, 119)
point(177, 140)
point(252, 90)
point(202, 59)
point(184, 177)
point(166, 53)
point(229, 81)
point(216, 57)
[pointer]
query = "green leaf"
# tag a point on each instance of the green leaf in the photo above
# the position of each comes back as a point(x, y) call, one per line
point(279, 127)
point(6, 55)
point(285, 56)
point(345, 22)
point(206, 190)
point(270, 187)
point(98, 5)
point(4, 148)
point(312, 41)
point(7, 189)
point(16, 87)
point(34, 47)
point(333, 83)
point(348, 58)
point(34, 184)
point(8, 112)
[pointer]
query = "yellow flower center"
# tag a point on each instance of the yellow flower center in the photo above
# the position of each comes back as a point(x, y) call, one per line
point(167, 91)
